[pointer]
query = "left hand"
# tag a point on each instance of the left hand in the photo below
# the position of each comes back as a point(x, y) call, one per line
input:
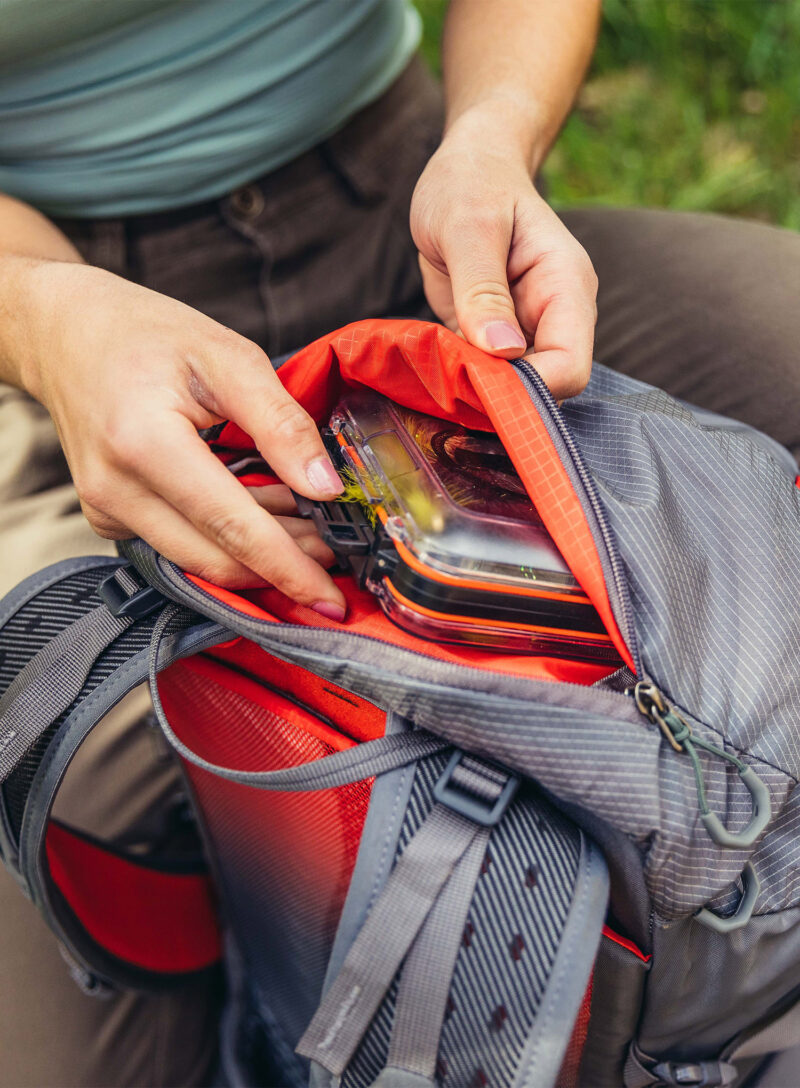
point(497, 263)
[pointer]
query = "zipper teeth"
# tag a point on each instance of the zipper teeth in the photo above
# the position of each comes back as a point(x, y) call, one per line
point(179, 580)
point(533, 381)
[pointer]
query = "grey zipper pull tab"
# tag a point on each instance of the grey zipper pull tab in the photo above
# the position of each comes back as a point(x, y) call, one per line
point(655, 706)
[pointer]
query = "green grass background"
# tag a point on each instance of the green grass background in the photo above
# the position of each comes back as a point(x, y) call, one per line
point(690, 104)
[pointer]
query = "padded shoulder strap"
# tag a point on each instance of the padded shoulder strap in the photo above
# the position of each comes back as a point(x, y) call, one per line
point(73, 641)
point(51, 681)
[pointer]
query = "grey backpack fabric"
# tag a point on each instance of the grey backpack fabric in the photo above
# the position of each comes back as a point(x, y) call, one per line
point(554, 884)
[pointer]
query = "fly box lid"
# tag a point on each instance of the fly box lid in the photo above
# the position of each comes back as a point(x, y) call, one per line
point(441, 529)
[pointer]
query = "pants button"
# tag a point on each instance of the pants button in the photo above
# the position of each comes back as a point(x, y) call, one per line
point(247, 202)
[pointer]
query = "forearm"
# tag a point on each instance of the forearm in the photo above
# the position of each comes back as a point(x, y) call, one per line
point(27, 238)
point(512, 69)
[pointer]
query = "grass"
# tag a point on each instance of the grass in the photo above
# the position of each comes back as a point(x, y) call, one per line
point(690, 104)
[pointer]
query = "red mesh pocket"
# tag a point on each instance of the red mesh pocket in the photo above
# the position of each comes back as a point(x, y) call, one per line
point(284, 859)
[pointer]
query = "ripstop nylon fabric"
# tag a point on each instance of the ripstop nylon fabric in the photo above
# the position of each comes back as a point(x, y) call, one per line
point(708, 527)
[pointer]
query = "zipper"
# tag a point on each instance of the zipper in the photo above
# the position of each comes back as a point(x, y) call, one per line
point(653, 704)
point(188, 591)
point(620, 601)
point(649, 700)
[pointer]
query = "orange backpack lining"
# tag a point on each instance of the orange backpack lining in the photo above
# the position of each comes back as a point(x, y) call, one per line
point(365, 617)
point(425, 367)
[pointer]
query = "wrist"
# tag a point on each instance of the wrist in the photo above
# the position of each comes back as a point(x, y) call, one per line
point(504, 124)
point(29, 300)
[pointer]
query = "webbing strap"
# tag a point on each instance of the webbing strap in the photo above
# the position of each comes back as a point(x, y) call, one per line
point(371, 758)
point(50, 681)
point(390, 928)
point(428, 973)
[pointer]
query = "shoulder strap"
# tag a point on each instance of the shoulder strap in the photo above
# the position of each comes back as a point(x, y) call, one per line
point(75, 639)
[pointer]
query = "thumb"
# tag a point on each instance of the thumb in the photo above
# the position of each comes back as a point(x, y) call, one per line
point(476, 260)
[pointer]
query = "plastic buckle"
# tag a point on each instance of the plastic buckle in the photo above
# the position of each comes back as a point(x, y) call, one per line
point(467, 802)
point(691, 1074)
point(120, 602)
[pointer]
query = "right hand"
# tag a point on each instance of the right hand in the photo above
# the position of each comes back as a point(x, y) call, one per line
point(129, 376)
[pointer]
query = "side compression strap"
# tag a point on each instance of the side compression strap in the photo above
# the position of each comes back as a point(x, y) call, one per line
point(51, 680)
point(352, 765)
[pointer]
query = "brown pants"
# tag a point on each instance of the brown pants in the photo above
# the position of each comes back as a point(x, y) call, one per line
point(705, 307)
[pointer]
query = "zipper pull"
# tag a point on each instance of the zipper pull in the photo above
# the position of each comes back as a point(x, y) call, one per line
point(654, 705)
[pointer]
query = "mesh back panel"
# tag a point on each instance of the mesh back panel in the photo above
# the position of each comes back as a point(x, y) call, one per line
point(284, 859)
point(35, 624)
point(510, 940)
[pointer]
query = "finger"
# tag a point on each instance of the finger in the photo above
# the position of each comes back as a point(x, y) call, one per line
point(306, 537)
point(180, 467)
point(556, 303)
point(439, 292)
point(166, 530)
point(192, 551)
point(476, 256)
point(276, 498)
point(241, 385)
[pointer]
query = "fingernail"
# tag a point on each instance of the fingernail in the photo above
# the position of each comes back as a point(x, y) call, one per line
point(502, 336)
point(330, 610)
point(323, 477)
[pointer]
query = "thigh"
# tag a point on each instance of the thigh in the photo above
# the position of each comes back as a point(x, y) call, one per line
point(40, 516)
point(704, 306)
point(53, 1034)
point(121, 788)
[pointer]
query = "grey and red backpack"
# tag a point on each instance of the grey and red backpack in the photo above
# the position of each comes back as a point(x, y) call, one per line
point(426, 864)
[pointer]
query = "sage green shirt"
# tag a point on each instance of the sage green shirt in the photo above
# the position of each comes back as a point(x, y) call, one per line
point(117, 107)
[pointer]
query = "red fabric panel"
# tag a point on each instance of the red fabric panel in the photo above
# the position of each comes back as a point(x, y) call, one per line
point(297, 849)
point(271, 701)
point(426, 367)
point(160, 921)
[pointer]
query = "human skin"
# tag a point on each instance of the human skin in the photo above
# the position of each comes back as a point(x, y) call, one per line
point(497, 263)
point(130, 376)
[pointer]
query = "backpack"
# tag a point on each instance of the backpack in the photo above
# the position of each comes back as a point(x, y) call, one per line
point(437, 865)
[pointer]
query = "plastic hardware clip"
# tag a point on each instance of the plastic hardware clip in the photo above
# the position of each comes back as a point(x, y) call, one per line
point(486, 806)
point(121, 601)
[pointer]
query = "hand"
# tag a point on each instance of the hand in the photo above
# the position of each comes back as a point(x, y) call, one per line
point(497, 263)
point(129, 377)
